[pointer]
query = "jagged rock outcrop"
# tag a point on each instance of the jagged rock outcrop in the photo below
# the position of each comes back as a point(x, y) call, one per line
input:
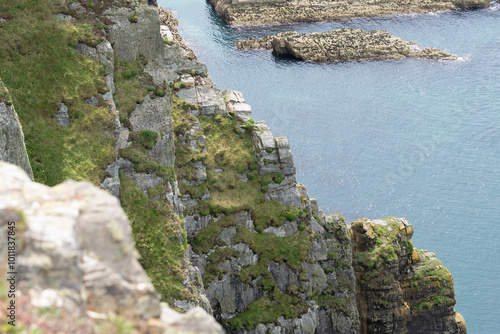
point(12, 147)
point(258, 12)
point(342, 45)
point(136, 35)
point(400, 289)
point(75, 252)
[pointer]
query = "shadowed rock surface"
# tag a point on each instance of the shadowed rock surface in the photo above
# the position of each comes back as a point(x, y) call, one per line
point(342, 45)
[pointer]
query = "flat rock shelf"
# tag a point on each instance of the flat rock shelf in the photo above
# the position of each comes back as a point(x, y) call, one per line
point(342, 45)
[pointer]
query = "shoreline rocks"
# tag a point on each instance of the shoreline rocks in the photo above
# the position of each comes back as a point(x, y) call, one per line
point(342, 45)
point(260, 12)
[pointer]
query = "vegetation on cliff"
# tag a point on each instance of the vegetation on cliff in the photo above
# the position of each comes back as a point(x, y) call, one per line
point(42, 70)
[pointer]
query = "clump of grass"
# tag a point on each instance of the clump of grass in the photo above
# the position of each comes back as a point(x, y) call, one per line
point(131, 86)
point(267, 310)
point(145, 138)
point(160, 239)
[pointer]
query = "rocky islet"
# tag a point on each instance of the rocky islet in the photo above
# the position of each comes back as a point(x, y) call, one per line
point(342, 45)
point(259, 12)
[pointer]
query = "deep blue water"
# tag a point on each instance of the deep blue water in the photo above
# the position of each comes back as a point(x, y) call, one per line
point(413, 138)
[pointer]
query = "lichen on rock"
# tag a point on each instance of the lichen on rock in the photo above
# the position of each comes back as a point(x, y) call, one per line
point(342, 45)
point(400, 288)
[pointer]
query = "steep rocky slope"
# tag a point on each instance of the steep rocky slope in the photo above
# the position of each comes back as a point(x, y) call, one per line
point(216, 212)
point(257, 12)
point(75, 267)
point(342, 45)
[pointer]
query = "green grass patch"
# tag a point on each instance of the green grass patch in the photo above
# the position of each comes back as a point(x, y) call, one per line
point(267, 309)
point(292, 250)
point(160, 240)
point(203, 241)
point(131, 86)
point(145, 138)
point(41, 69)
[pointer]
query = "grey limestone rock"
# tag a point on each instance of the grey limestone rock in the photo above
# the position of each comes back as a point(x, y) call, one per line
point(236, 104)
point(12, 147)
point(343, 45)
point(132, 40)
point(62, 116)
point(76, 253)
point(284, 230)
point(64, 17)
point(86, 50)
point(155, 115)
point(78, 243)
point(195, 320)
point(112, 183)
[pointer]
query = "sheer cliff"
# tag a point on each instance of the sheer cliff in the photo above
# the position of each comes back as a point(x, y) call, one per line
point(216, 213)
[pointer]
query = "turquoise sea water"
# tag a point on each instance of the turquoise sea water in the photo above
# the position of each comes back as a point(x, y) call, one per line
point(413, 138)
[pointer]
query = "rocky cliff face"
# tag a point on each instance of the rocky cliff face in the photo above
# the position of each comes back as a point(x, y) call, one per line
point(256, 12)
point(342, 45)
point(215, 210)
point(75, 264)
point(12, 148)
point(400, 289)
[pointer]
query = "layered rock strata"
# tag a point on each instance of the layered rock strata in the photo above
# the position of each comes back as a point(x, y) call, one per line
point(258, 12)
point(75, 257)
point(342, 45)
point(400, 289)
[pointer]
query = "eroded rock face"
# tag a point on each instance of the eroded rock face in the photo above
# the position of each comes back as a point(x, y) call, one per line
point(12, 147)
point(258, 12)
point(399, 288)
point(134, 39)
point(342, 45)
point(75, 251)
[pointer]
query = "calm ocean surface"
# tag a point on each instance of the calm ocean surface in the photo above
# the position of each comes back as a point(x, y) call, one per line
point(413, 138)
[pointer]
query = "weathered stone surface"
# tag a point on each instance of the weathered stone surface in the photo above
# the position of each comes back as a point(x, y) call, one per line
point(236, 104)
point(258, 12)
point(78, 243)
point(398, 287)
point(132, 40)
point(195, 320)
point(155, 115)
point(75, 252)
point(342, 45)
point(112, 183)
point(86, 50)
point(62, 116)
point(12, 147)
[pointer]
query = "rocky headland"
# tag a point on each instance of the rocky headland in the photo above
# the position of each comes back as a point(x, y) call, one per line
point(259, 12)
point(208, 196)
point(342, 45)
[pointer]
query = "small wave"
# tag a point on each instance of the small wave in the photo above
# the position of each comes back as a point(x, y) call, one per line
point(464, 59)
point(494, 6)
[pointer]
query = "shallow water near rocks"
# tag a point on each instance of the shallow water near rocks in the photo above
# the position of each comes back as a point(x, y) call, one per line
point(414, 138)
